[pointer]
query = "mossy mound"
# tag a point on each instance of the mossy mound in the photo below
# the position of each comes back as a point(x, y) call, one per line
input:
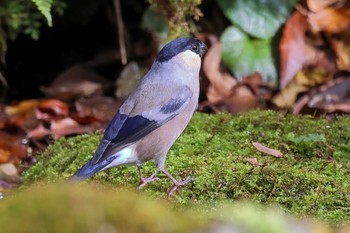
point(311, 179)
point(71, 209)
point(92, 208)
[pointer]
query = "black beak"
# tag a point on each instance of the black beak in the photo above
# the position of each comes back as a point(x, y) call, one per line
point(203, 49)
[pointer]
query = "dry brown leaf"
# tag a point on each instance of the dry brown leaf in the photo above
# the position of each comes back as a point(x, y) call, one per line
point(318, 5)
point(341, 47)
point(51, 109)
point(11, 142)
point(254, 162)
point(75, 82)
point(21, 108)
point(331, 97)
point(266, 150)
point(242, 99)
point(221, 83)
point(330, 20)
point(302, 82)
point(39, 132)
point(64, 127)
point(4, 155)
point(292, 47)
point(101, 108)
point(68, 126)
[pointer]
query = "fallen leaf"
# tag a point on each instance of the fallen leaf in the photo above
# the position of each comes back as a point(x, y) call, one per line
point(341, 47)
point(254, 162)
point(242, 99)
point(39, 132)
point(256, 84)
point(4, 155)
point(331, 97)
point(330, 20)
point(101, 108)
point(21, 114)
point(57, 107)
point(221, 83)
point(75, 82)
point(264, 149)
point(68, 126)
point(292, 47)
point(65, 126)
point(302, 82)
point(317, 5)
point(12, 142)
point(21, 107)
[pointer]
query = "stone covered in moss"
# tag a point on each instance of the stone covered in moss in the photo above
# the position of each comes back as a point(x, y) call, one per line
point(312, 178)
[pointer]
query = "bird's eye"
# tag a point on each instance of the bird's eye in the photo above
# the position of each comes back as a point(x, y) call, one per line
point(194, 48)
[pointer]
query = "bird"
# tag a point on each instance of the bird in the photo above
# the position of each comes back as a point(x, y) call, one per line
point(154, 115)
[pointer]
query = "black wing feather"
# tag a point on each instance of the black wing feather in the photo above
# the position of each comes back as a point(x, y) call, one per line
point(124, 130)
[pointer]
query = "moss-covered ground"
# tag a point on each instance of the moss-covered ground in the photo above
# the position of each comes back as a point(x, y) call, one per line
point(311, 179)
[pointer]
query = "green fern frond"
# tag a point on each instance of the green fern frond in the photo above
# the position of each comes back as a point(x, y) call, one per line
point(44, 6)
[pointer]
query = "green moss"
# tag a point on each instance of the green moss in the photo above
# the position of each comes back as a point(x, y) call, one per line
point(311, 179)
point(94, 208)
point(63, 208)
point(178, 14)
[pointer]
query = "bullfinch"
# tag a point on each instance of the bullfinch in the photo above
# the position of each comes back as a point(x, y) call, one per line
point(154, 115)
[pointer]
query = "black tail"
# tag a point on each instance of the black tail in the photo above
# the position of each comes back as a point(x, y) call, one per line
point(89, 170)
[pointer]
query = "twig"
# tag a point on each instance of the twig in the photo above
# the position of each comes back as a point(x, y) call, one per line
point(120, 26)
point(3, 81)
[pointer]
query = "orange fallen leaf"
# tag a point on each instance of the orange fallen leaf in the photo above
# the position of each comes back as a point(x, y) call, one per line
point(4, 155)
point(267, 150)
point(330, 20)
point(21, 108)
point(341, 48)
point(51, 109)
point(317, 5)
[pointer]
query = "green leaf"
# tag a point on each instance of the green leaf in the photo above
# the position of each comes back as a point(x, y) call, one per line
point(155, 22)
point(244, 56)
point(259, 18)
point(306, 138)
point(44, 6)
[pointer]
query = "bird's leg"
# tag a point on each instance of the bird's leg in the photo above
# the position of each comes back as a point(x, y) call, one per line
point(176, 182)
point(145, 181)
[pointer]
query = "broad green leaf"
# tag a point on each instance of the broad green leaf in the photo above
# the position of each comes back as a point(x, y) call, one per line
point(155, 22)
point(244, 55)
point(259, 18)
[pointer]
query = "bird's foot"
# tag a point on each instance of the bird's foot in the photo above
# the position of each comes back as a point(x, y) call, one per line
point(178, 184)
point(145, 181)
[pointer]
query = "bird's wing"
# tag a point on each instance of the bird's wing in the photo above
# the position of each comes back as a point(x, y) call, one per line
point(126, 129)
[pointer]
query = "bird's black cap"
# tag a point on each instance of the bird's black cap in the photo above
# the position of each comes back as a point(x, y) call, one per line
point(177, 46)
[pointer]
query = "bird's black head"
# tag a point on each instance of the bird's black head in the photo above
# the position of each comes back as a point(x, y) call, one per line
point(177, 46)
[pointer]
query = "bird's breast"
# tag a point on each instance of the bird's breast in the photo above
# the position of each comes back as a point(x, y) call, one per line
point(158, 142)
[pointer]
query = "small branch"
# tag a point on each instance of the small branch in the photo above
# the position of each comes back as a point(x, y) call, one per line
point(3, 81)
point(120, 27)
